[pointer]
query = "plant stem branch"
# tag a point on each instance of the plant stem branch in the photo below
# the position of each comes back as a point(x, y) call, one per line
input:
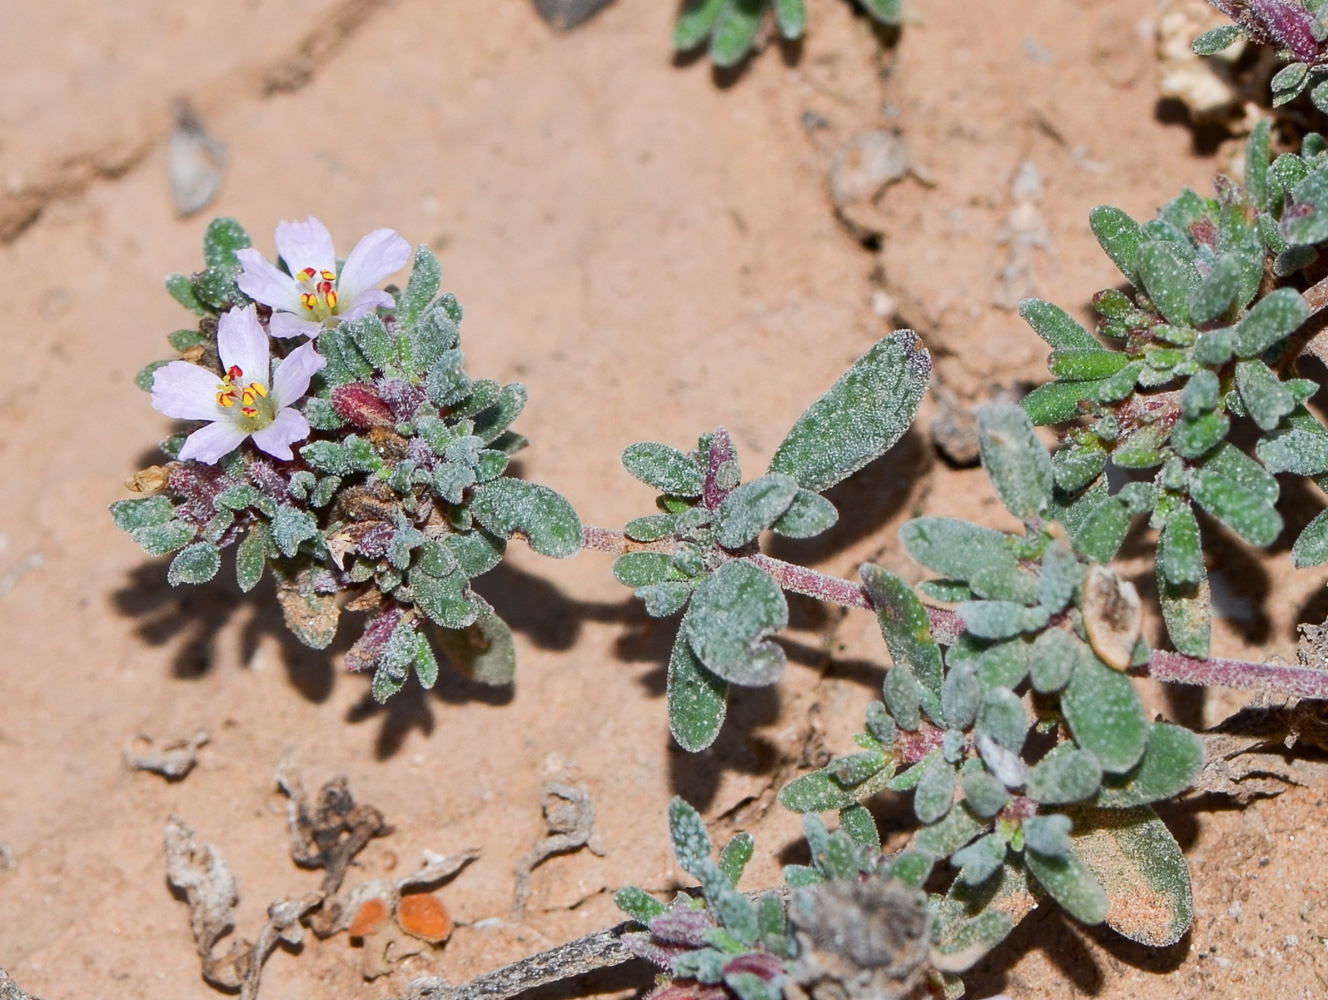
point(1303, 682)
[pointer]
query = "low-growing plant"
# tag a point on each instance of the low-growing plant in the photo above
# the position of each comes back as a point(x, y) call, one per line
point(363, 468)
point(730, 28)
point(366, 470)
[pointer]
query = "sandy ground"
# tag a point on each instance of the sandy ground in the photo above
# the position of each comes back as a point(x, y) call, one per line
point(652, 249)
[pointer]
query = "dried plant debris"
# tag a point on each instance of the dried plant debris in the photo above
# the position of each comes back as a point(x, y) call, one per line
point(329, 835)
point(600, 950)
point(9, 989)
point(1261, 750)
point(195, 162)
point(867, 164)
point(571, 818)
point(173, 760)
point(199, 870)
point(954, 428)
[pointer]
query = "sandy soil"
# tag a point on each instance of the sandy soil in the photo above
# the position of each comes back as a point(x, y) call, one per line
point(652, 249)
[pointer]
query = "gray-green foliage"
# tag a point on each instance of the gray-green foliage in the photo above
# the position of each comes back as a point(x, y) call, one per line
point(1208, 336)
point(704, 544)
point(1017, 818)
point(1297, 29)
point(732, 28)
point(398, 499)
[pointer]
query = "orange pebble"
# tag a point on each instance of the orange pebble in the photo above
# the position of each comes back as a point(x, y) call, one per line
point(372, 915)
point(424, 916)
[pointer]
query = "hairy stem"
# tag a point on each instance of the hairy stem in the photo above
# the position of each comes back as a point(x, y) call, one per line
point(1302, 682)
point(9, 989)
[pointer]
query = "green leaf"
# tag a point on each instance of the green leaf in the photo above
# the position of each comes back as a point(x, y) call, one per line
point(181, 289)
point(1173, 759)
point(956, 549)
point(447, 600)
point(1187, 612)
point(886, 11)
point(197, 563)
point(1179, 549)
point(1194, 437)
point(148, 374)
point(493, 422)
point(816, 792)
point(1256, 149)
point(251, 556)
point(912, 867)
point(1288, 81)
point(695, 23)
point(666, 469)
point(860, 418)
point(1053, 656)
point(1048, 835)
point(935, 791)
point(1057, 327)
point(484, 650)
point(513, 506)
point(1064, 776)
point(428, 342)
point(1015, 460)
point(663, 600)
point(1082, 366)
point(1305, 221)
point(691, 840)
point(734, 31)
point(751, 508)
point(858, 822)
point(639, 904)
point(652, 528)
point(735, 855)
point(904, 623)
point(985, 795)
point(223, 237)
point(697, 698)
point(1299, 450)
point(425, 276)
point(1143, 871)
point(981, 859)
point(903, 696)
point(1061, 574)
point(1232, 463)
point(1241, 509)
point(1057, 402)
point(1272, 319)
point(1000, 619)
point(1102, 531)
point(641, 569)
point(1214, 40)
point(476, 551)
point(426, 664)
point(290, 527)
point(1119, 235)
point(1105, 715)
point(808, 515)
point(130, 515)
point(791, 16)
point(942, 839)
point(1002, 717)
point(961, 695)
point(974, 938)
point(1168, 278)
point(1072, 884)
point(733, 611)
point(1216, 293)
point(1311, 548)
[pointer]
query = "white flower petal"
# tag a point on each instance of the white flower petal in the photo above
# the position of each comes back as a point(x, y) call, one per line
point(306, 244)
point(264, 282)
point(291, 380)
point(185, 391)
point(212, 443)
point(365, 303)
point(377, 255)
point(276, 439)
point(242, 343)
point(284, 324)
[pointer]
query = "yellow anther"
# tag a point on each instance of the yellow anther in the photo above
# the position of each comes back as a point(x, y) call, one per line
point(331, 300)
point(310, 301)
point(329, 276)
point(259, 388)
point(226, 399)
point(248, 411)
point(307, 273)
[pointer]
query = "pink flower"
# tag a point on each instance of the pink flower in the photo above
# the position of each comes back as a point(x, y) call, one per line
point(253, 399)
point(314, 297)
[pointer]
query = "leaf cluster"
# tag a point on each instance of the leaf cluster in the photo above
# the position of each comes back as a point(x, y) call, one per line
point(1208, 335)
point(730, 28)
point(1298, 29)
point(1024, 739)
point(699, 549)
point(396, 502)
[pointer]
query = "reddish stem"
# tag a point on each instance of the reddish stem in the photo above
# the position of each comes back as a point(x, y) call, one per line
point(721, 451)
point(1303, 682)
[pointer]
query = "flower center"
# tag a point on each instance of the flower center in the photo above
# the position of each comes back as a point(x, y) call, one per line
point(249, 404)
point(318, 293)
